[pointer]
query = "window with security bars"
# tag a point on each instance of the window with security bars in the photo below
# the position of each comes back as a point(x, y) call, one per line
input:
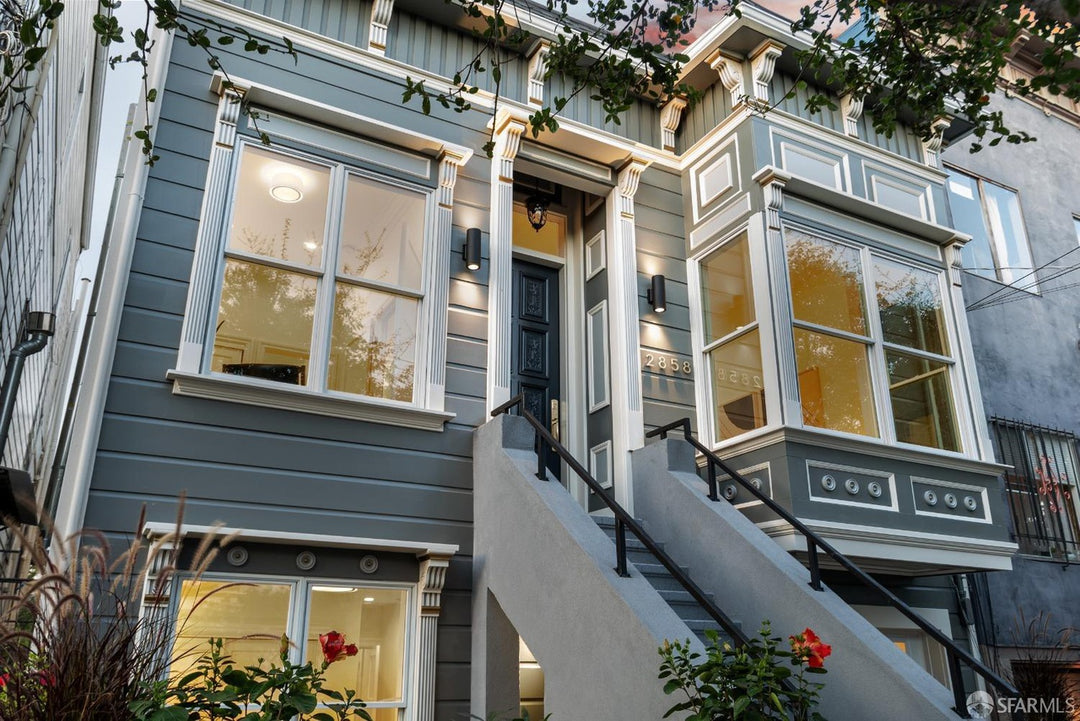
point(1041, 487)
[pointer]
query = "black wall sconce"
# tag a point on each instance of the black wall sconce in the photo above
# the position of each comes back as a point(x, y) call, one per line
point(657, 294)
point(472, 249)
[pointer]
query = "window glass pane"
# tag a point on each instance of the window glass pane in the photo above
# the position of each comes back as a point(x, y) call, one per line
point(909, 302)
point(921, 401)
point(826, 282)
point(834, 383)
point(968, 217)
point(727, 290)
point(280, 207)
point(249, 618)
point(264, 323)
point(383, 233)
point(373, 343)
point(374, 620)
point(1014, 255)
point(738, 387)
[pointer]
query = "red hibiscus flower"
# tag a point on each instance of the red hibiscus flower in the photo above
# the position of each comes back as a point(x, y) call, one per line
point(4, 678)
point(334, 647)
point(809, 648)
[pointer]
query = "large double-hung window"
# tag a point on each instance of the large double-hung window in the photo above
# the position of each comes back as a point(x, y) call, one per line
point(322, 279)
point(250, 615)
point(871, 347)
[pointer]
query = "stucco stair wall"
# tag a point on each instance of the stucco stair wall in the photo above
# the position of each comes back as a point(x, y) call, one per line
point(754, 579)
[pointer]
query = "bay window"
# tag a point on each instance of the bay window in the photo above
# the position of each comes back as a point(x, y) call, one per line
point(250, 616)
point(323, 277)
point(858, 315)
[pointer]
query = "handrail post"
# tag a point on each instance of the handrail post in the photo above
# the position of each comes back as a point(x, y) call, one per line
point(957, 681)
point(815, 570)
point(541, 452)
point(714, 494)
point(620, 548)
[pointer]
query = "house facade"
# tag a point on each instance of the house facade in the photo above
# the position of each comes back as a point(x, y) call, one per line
point(46, 182)
point(1020, 276)
point(301, 339)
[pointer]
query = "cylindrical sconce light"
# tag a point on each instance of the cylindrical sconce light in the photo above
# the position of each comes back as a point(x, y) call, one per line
point(472, 249)
point(657, 294)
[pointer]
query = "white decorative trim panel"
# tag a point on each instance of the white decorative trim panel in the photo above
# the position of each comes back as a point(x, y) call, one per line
point(598, 368)
point(851, 486)
point(600, 464)
point(595, 256)
point(947, 499)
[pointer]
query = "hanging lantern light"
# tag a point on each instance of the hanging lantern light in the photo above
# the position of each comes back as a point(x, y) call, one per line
point(536, 207)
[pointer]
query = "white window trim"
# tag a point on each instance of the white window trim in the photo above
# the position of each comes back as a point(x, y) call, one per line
point(427, 409)
point(876, 347)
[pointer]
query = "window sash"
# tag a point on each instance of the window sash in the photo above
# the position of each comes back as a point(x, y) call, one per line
point(299, 611)
point(328, 282)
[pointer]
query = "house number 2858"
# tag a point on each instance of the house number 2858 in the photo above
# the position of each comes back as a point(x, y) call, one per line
point(668, 364)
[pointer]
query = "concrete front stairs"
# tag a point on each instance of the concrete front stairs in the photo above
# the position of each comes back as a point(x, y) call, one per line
point(545, 570)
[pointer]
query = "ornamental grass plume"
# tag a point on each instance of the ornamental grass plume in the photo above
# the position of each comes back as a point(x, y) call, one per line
point(73, 646)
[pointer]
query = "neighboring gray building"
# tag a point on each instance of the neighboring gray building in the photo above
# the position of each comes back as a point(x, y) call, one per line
point(49, 136)
point(1023, 306)
point(303, 340)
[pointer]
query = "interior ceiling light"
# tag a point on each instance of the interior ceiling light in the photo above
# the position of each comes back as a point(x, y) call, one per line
point(536, 207)
point(286, 188)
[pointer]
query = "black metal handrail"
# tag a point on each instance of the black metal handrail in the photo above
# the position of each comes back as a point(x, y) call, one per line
point(623, 520)
point(814, 542)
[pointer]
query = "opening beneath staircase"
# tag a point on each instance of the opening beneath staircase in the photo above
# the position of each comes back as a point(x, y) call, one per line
point(530, 683)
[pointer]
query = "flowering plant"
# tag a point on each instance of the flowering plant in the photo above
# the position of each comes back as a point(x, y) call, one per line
point(760, 680)
point(217, 688)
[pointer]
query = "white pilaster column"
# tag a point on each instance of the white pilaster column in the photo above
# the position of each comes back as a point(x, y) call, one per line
point(772, 184)
point(730, 69)
point(211, 220)
point(537, 68)
point(670, 117)
point(762, 65)
point(509, 128)
point(851, 109)
point(432, 578)
point(627, 417)
point(438, 283)
point(381, 12)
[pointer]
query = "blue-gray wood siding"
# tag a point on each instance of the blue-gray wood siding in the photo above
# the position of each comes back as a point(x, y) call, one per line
point(661, 249)
point(344, 20)
point(274, 469)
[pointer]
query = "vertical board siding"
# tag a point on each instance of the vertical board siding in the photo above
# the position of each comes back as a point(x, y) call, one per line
point(787, 95)
point(640, 123)
point(274, 469)
point(661, 249)
point(346, 21)
point(706, 114)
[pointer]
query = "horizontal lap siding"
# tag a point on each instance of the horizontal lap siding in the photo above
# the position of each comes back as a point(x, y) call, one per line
point(658, 208)
point(272, 469)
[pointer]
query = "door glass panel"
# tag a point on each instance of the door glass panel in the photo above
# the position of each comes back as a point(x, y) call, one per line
point(826, 282)
point(264, 323)
point(383, 233)
point(921, 401)
point(738, 386)
point(909, 302)
point(249, 618)
point(834, 383)
point(280, 207)
point(373, 343)
point(372, 619)
point(727, 290)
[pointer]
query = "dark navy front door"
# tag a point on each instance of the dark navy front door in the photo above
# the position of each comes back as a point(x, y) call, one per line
point(535, 343)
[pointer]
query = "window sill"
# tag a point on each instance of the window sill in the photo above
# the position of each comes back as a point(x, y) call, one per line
point(268, 394)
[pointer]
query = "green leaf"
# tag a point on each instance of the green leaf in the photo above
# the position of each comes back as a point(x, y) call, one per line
point(170, 713)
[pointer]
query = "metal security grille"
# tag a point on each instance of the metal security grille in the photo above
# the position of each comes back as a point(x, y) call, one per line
point(1041, 487)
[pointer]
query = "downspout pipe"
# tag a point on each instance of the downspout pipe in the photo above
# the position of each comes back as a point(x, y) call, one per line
point(39, 328)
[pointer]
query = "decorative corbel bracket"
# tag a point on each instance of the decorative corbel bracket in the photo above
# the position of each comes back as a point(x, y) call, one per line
point(670, 117)
point(380, 24)
point(730, 69)
point(932, 145)
point(537, 69)
point(851, 109)
point(763, 65)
